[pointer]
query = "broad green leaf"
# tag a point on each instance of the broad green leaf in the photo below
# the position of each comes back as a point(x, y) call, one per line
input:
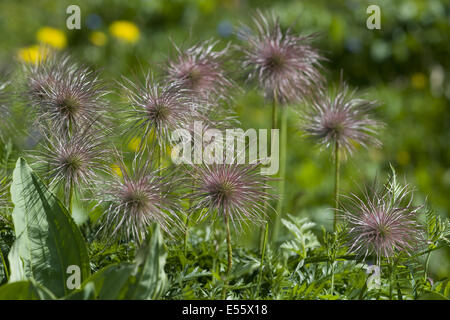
point(143, 280)
point(109, 283)
point(25, 290)
point(48, 241)
point(430, 295)
point(150, 279)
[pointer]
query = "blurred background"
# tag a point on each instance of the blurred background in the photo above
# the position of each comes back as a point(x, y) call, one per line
point(404, 65)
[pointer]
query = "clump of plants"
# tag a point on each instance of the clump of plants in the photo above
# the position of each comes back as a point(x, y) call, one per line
point(83, 219)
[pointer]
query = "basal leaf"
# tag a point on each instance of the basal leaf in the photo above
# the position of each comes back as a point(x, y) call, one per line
point(47, 239)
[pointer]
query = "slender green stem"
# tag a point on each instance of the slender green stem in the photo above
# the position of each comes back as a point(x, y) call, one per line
point(230, 255)
point(262, 258)
point(336, 183)
point(281, 186)
point(263, 233)
point(332, 278)
point(70, 199)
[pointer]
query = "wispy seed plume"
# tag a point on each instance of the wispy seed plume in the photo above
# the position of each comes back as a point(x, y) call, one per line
point(286, 66)
point(135, 199)
point(340, 118)
point(383, 222)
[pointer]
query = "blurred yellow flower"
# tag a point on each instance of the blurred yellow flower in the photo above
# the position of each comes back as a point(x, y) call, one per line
point(98, 38)
point(33, 54)
point(134, 144)
point(53, 37)
point(116, 169)
point(418, 80)
point(125, 30)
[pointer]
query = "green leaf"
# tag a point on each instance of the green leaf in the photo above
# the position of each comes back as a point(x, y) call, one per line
point(109, 283)
point(430, 295)
point(25, 290)
point(48, 241)
point(150, 279)
point(143, 280)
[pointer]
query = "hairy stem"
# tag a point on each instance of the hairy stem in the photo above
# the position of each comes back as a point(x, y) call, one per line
point(230, 255)
point(264, 231)
point(69, 203)
point(336, 183)
point(332, 278)
point(262, 258)
point(281, 186)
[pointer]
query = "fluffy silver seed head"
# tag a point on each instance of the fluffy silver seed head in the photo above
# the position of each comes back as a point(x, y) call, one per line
point(137, 198)
point(65, 96)
point(200, 70)
point(341, 119)
point(73, 162)
point(238, 191)
point(286, 66)
point(155, 110)
point(383, 222)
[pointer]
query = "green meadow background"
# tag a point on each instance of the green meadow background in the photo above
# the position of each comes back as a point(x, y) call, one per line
point(405, 66)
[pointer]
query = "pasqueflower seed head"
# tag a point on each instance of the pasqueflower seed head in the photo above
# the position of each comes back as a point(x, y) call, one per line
point(74, 161)
point(156, 110)
point(137, 198)
point(383, 222)
point(238, 191)
point(286, 66)
point(340, 119)
point(200, 70)
point(66, 96)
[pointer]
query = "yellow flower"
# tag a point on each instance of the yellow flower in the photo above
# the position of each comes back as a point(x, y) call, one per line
point(98, 38)
point(116, 169)
point(53, 37)
point(33, 54)
point(125, 30)
point(134, 144)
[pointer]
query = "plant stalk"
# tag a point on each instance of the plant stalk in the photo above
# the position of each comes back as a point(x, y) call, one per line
point(262, 258)
point(336, 184)
point(70, 199)
point(281, 185)
point(230, 255)
point(263, 232)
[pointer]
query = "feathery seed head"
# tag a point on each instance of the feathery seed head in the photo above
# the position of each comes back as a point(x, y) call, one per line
point(66, 96)
point(383, 223)
point(136, 199)
point(159, 109)
point(199, 69)
point(236, 190)
point(340, 119)
point(73, 161)
point(285, 65)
